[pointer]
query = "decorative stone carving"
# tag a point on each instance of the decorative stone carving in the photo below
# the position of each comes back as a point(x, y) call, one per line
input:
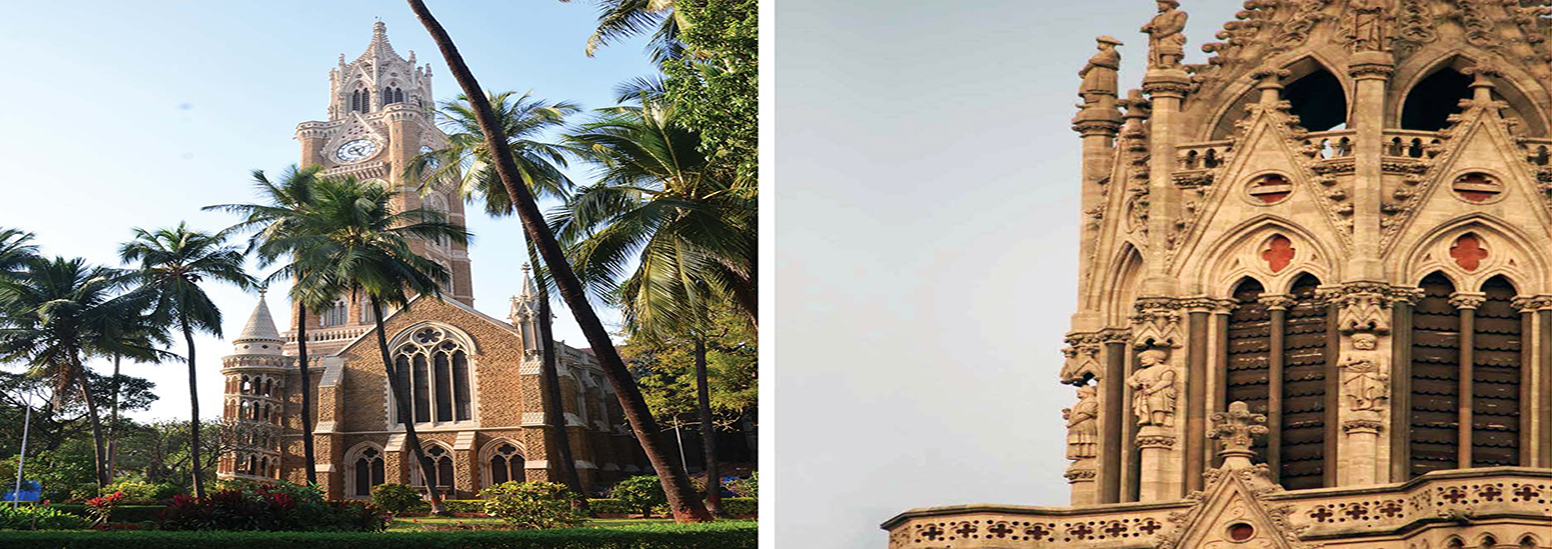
point(1099, 75)
point(1361, 307)
point(1365, 26)
point(1365, 380)
point(1157, 323)
point(1083, 425)
point(1082, 358)
point(1166, 36)
point(1296, 31)
point(1467, 300)
point(1154, 383)
point(1419, 26)
point(1236, 429)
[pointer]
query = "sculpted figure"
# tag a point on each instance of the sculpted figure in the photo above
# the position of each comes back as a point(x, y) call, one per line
point(1363, 377)
point(1154, 383)
point(1082, 425)
point(1099, 75)
point(1166, 36)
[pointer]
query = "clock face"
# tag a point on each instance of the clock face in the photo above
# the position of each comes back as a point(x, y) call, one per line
point(357, 150)
point(431, 162)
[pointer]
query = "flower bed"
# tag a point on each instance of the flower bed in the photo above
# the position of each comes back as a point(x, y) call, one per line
point(717, 535)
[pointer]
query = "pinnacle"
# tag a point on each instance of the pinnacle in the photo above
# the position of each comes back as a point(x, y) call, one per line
point(261, 326)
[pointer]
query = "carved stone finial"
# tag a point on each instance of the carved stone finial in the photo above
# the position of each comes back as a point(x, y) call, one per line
point(1237, 429)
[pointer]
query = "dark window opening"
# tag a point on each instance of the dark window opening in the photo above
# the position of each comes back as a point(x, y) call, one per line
point(1430, 104)
point(1435, 379)
point(1318, 100)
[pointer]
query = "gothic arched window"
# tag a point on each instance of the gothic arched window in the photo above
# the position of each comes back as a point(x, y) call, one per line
point(1495, 377)
point(1304, 361)
point(336, 315)
point(505, 463)
point(435, 369)
point(441, 470)
point(1430, 103)
point(1249, 357)
point(1318, 100)
point(366, 471)
point(392, 95)
point(1435, 379)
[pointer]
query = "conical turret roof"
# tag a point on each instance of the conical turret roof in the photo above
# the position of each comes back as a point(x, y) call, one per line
point(259, 336)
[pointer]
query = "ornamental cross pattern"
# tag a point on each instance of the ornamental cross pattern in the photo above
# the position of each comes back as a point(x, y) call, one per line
point(1150, 527)
point(1081, 531)
point(1391, 509)
point(965, 529)
point(1490, 493)
point(1279, 253)
point(1000, 529)
point(1357, 512)
point(1321, 514)
point(1455, 495)
point(932, 532)
point(1468, 252)
point(1526, 493)
point(1037, 532)
point(1115, 529)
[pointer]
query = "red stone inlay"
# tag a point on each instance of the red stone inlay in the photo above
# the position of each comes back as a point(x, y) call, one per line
point(1279, 253)
point(1241, 531)
point(1477, 187)
point(1468, 252)
point(1271, 189)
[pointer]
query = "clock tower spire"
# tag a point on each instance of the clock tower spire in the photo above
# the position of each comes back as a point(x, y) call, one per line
point(380, 116)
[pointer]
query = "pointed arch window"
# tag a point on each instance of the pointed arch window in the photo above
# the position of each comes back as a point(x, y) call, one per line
point(392, 95)
point(1497, 346)
point(1306, 354)
point(1430, 103)
point(367, 471)
point(336, 315)
point(1318, 100)
point(1435, 379)
point(435, 369)
point(505, 464)
point(442, 470)
point(1249, 357)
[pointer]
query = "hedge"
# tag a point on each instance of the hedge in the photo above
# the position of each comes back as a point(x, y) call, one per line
point(738, 507)
point(716, 535)
point(121, 513)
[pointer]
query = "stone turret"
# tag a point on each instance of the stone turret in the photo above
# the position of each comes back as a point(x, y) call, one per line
point(254, 399)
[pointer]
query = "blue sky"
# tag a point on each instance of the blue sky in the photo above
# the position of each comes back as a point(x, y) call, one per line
point(137, 113)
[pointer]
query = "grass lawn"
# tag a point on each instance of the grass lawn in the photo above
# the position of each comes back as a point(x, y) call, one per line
point(418, 524)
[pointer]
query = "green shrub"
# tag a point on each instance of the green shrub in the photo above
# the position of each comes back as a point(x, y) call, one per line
point(277, 507)
point(640, 493)
point(135, 492)
point(716, 535)
point(28, 517)
point(740, 507)
point(464, 505)
point(610, 506)
point(397, 498)
point(532, 504)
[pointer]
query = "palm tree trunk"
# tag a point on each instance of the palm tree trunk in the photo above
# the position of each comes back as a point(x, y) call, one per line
point(555, 414)
point(307, 396)
point(194, 463)
point(682, 499)
point(708, 431)
point(99, 443)
point(401, 399)
point(113, 421)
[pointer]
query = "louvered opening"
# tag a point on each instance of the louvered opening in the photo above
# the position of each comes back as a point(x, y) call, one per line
point(1435, 371)
point(1495, 378)
point(1249, 357)
point(1304, 388)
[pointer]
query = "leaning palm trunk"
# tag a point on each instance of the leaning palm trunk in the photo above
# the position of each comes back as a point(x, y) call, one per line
point(682, 499)
point(708, 431)
point(402, 401)
point(307, 396)
point(99, 442)
point(555, 413)
point(194, 463)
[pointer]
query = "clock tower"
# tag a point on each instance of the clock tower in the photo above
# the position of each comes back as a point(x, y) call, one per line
point(381, 116)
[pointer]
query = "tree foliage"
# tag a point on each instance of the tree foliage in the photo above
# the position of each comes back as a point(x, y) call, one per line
point(716, 85)
point(665, 368)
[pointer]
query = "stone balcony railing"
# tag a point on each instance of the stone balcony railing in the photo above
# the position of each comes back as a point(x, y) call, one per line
point(1381, 514)
point(329, 334)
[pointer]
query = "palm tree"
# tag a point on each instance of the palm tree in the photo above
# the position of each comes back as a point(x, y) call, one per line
point(173, 263)
point(689, 226)
point(51, 312)
point(278, 223)
point(681, 497)
point(465, 164)
point(621, 19)
point(16, 249)
point(140, 338)
point(355, 241)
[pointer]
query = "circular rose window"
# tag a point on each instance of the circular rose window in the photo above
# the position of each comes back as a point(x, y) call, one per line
point(1477, 188)
point(1269, 189)
point(1241, 531)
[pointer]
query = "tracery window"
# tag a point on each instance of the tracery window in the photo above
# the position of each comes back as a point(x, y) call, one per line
point(506, 464)
point(336, 315)
point(435, 370)
point(441, 469)
point(1435, 379)
point(392, 95)
point(367, 471)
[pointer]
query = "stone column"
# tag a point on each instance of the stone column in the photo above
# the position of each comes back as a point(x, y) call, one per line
point(1166, 89)
point(1196, 403)
point(1544, 385)
point(1467, 302)
point(1371, 70)
point(1402, 301)
point(1112, 418)
point(1278, 306)
point(1158, 480)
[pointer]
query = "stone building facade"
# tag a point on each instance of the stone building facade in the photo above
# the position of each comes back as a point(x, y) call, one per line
point(1315, 297)
point(475, 380)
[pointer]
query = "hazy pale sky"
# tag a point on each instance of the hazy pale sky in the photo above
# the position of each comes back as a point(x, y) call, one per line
point(926, 226)
point(138, 113)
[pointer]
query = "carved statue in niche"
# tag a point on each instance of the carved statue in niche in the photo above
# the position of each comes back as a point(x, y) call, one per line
point(1366, 25)
point(1166, 36)
point(1363, 375)
point(1154, 383)
point(1099, 75)
point(1083, 425)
